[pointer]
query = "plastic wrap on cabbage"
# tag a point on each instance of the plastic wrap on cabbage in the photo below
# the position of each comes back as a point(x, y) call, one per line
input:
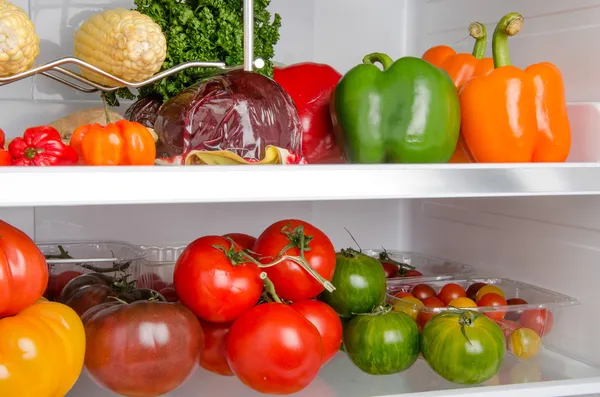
point(144, 111)
point(241, 112)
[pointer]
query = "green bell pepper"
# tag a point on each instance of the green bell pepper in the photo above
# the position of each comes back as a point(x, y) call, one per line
point(409, 112)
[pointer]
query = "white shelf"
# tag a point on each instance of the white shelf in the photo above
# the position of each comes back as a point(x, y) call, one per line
point(549, 374)
point(50, 186)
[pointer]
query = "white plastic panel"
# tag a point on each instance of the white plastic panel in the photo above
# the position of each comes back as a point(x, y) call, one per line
point(550, 242)
point(558, 31)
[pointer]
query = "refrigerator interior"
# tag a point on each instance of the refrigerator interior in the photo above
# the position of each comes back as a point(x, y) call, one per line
point(551, 242)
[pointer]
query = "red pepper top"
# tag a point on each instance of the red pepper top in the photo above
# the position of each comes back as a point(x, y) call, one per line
point(310, 86)
point(41, 146)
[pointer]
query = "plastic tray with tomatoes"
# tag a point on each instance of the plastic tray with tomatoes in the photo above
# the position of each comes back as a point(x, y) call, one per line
point(67, 260)
point(526, 314)
point(405, 264)
point(156, 270)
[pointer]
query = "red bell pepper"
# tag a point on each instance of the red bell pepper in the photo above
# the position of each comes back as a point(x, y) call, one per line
point(2, 138)
point(310, 86)
point(41, 146)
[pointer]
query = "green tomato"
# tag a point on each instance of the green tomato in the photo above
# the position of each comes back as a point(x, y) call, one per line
point(463, 347)
point(382, 343)
point(360, 284)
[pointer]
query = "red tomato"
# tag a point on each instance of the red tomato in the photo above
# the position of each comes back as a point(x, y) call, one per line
point(23, 271)
point(515, 315)
point(327, 322)
point(431, 302)
point(516, 301)
point(292, 282)
point(143, 349)
point(169, 294)
point(402, 294)
point(507, 326)
point(213, 357)
point(57, 282)
point(422, 291)
point(273, 349)
point(217, 286)
point(493, 300)
point(539, 320)
point(473, 289)
point(151, 281)
point(451, 291)
point(391, 269)
point(243, 240)
point(413, 273)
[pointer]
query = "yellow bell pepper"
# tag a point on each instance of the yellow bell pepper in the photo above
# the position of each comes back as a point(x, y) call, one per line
point(42, 350)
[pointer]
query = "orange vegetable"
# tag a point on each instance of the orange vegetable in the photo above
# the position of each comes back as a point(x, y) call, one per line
point(42, 350)
point(121, 143)
point(514, 115)
point(462, 68)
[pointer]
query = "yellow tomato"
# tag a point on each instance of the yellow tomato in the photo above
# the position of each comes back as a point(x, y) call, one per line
point(42, 350)
point(524, 343)
point(462, 303)
point(488, 289)
point(411, 307)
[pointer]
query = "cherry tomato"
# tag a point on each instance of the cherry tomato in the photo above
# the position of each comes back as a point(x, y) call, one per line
point(57, 282)
point(391, 269)
point(524, 343)
point(462, 303)
point(488, 289)
point(413, 273)
point(327, 322)
point(292, 282)
point(151, 281)
point(213, 278)
point(411, 307)
point(423, 316)
point(273, 349)
point(515, 315)
point(402, 294)
point(473, 289)
point(450, 292)
point(539, 320)
point(422, 291)
point(243, 240)
point(493, 300)
point(213, 357)
point(507, 327)
point(169, 294)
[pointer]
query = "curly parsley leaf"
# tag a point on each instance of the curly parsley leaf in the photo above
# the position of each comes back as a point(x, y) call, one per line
point(207, 30)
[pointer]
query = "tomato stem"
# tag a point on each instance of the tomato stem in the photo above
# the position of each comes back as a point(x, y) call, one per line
point(385, 256)
point(353, 239)
point(269, 287)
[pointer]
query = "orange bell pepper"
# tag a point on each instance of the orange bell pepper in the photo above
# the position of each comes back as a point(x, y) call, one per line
point(514, 115)
point(463, 67)
point(121, 143)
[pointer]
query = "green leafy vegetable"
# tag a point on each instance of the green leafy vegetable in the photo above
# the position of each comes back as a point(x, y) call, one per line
point(206, 30)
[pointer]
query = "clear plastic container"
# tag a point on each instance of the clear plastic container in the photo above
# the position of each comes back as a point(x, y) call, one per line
point(93, 256)
point(525, 325)
point(429, 266)
point(156, 271)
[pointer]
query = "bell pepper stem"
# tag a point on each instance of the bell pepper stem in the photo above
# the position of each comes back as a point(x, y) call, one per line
point(478, 31)
point(508, 26)
point(383, 59)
